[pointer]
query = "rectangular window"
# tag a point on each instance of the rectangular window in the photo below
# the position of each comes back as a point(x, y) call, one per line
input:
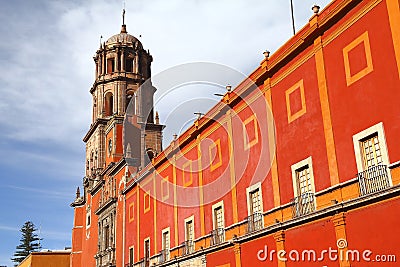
point(106, 237)
point(189, 236)
point(303, 187)
point(166, 240)
point(372, 159)
point(371, 151)
point(147, 252)
point(131, 255)
point(255, 208)
point(110, 65)
point(218, 234)
point(303, 178)
point(219, 217)
point(165, 245)
point(255, 201)
point(189, 230)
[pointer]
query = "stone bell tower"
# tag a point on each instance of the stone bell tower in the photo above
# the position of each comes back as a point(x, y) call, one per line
point(116, 138)
point(122, 67)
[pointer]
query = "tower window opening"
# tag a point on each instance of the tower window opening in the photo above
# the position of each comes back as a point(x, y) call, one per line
point(109, 104)
point(129, 64)
point(110, 65)
point(130, 97)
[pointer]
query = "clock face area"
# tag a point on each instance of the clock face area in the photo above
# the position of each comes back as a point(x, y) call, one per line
point(110, 146)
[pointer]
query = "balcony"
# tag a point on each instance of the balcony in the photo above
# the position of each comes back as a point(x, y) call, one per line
point(187, 247)
point(303, 204)
point(217, 236)
point(254, 222)
point(163, 256)
point(373, 179)
point(144, 262)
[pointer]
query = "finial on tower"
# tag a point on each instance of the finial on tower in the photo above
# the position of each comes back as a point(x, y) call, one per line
point(123, 29)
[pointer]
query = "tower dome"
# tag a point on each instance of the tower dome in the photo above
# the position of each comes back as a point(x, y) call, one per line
point(125, 39)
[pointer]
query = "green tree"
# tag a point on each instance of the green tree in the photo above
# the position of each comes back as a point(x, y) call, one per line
point(29, 242)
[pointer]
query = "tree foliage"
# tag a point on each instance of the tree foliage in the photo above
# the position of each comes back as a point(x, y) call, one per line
point(29, 242)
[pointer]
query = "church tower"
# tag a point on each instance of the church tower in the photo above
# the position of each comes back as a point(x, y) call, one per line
point(122, 82)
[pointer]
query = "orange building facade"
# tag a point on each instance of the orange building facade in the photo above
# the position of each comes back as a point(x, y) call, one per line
point(47, 259)
point(299, 165)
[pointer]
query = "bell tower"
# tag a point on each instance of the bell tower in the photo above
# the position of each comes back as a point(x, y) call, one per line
point(122, 67)
point(122, 83)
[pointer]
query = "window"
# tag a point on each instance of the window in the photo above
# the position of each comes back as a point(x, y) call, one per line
point(372, 159)
point(371, 151)
point(147, 252)
point(110, 65)
point(370, 147)
point(189, 236)
point(131, 256)
point(165, 245)
point(303, 187)
point(128, 65)
point(189, 230)
point(88, 217)
point(106, 237)
point(109, 104)
point(255, 208)
point(218, 234)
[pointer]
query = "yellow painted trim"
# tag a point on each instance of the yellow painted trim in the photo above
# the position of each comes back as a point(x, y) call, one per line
point(185, 182)
point(155, 212)
point(175, 202)
point(164, 182)
point(232, 168)
point(272, 147)
point(394, 20)
point(326, 113)
point(350, 22)
point(201, 190)
point(297, 86)
point(339, 222)
point(250, 143)
point(146, 202)
point(217, 145)
point(237, 251)
point(138, 222)
point(131, 212)
point(363, 38)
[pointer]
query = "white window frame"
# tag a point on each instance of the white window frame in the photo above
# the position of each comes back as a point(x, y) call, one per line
point(188, 219)
point(295, 167)
point(375, 129)
point(214, 207)
point(250, 189)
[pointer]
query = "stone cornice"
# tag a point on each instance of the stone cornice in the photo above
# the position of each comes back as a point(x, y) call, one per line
point(93, 127)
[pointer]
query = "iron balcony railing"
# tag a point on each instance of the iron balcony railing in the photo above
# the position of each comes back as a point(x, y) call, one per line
point(217, 236)
point(303, 204)
point(164, 256)
point(254, 222)
point(187, 247)
point(373, 179)
point(144, 262)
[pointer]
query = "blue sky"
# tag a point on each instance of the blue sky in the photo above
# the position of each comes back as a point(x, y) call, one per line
point(47, 70)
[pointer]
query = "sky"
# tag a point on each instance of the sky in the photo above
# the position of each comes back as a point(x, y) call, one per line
point(47, 69)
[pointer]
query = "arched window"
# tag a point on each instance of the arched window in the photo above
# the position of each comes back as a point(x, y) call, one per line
point(109, 104)
point(130, 99)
